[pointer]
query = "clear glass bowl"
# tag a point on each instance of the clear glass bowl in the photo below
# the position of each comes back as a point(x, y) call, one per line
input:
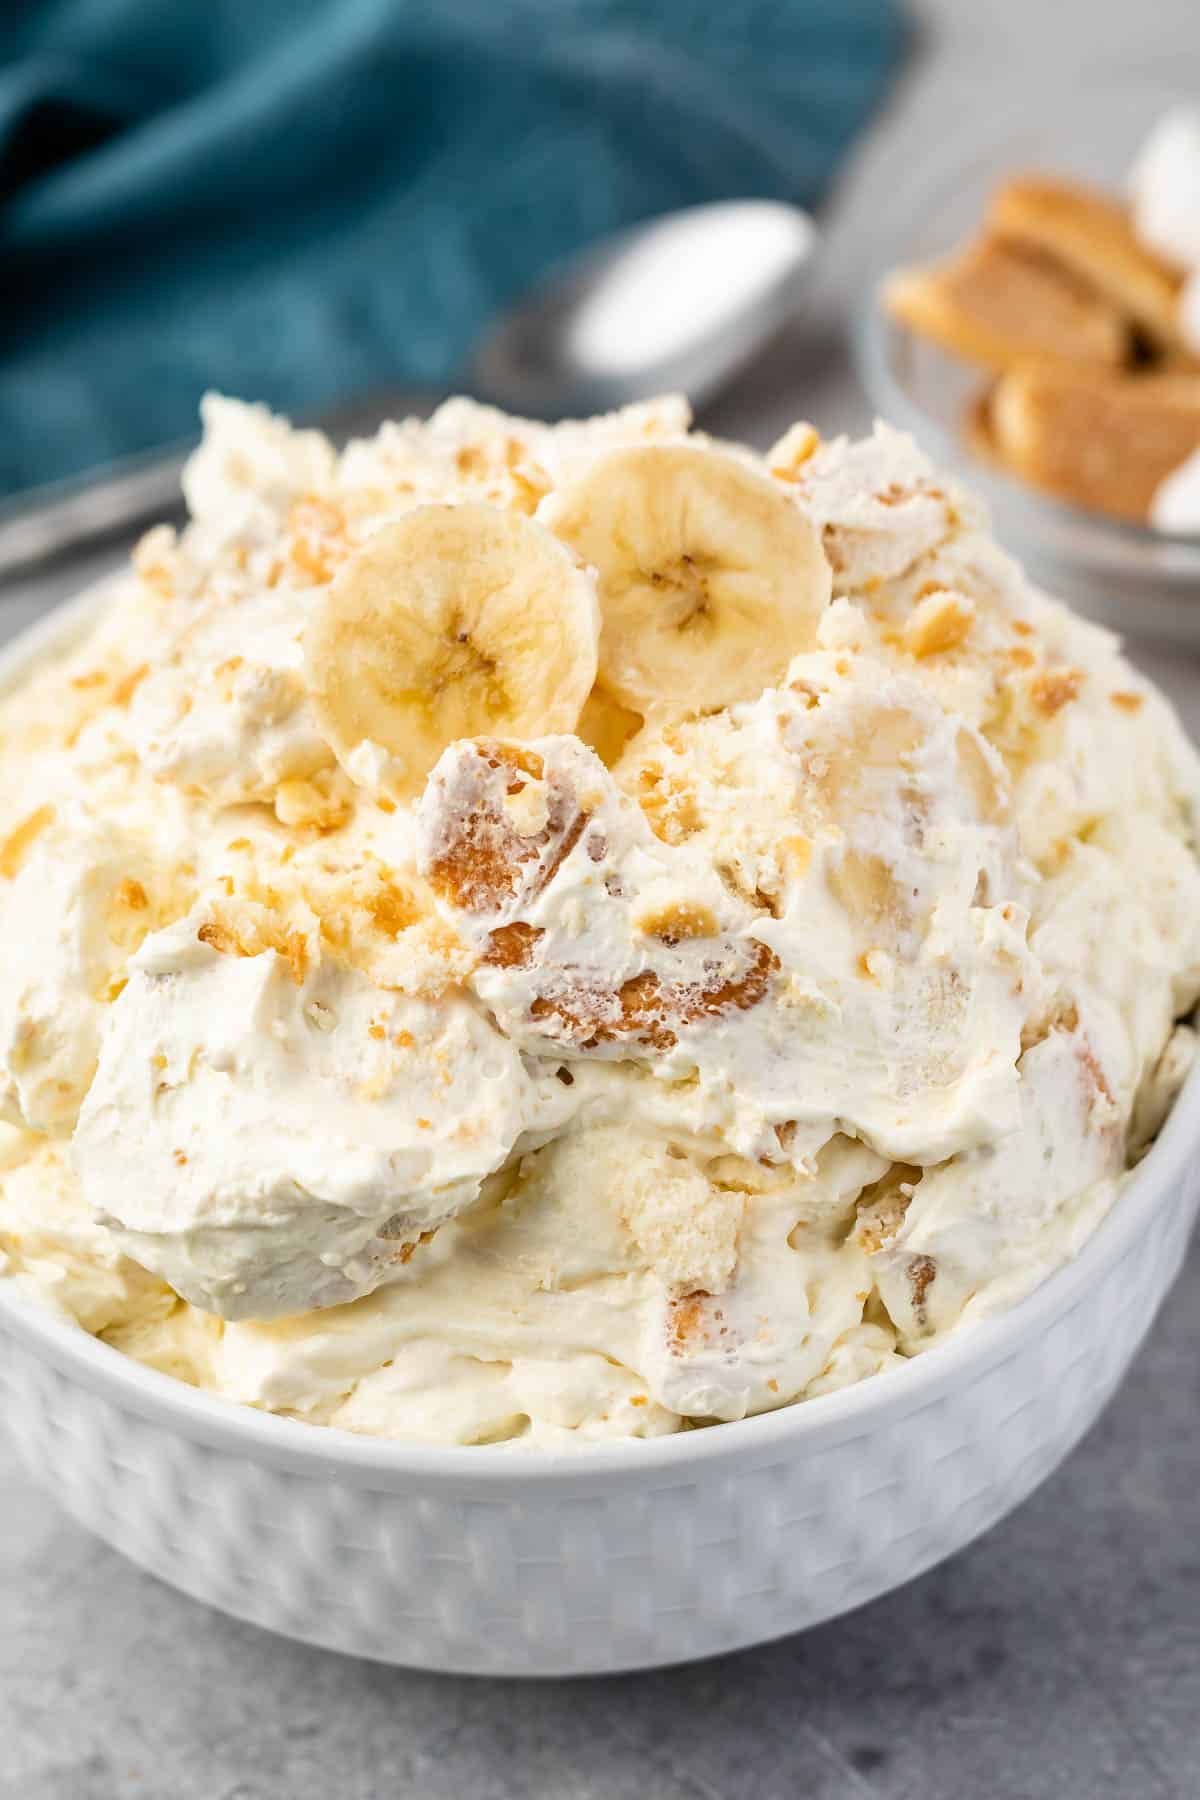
point(1143, 582)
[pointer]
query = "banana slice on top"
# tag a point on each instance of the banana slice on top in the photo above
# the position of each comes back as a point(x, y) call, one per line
point(451, 622)
point(710, 578)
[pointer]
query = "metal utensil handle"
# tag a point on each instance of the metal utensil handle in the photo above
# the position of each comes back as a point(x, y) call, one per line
point(89, 512)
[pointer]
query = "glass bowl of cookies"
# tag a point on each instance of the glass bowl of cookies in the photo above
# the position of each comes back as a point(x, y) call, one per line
point(1035, 320)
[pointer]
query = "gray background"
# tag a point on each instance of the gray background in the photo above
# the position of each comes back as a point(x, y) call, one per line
point(1059, 1657)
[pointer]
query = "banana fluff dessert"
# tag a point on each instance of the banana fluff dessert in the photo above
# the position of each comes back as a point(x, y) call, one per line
point(541, 933)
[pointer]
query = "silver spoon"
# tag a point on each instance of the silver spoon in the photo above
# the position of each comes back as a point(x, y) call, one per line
point(678, 303)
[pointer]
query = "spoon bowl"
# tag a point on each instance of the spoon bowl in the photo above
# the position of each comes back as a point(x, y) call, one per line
point(680, 302)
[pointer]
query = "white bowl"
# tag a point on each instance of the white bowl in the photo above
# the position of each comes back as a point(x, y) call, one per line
point(632, 1555)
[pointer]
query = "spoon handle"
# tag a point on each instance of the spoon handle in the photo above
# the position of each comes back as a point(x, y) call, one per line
point(73, 516)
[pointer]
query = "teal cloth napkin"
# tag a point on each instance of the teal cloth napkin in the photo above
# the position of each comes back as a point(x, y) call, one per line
point(297, 200)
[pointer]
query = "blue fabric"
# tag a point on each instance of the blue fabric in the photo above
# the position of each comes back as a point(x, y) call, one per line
point(296, 200)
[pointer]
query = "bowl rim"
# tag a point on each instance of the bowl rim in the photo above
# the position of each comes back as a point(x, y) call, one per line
point(319, 1450)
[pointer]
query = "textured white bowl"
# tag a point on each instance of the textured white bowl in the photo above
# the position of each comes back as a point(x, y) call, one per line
point(511, 1562)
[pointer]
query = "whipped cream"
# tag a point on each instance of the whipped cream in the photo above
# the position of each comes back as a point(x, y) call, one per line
point(269, 1131)
point(249, 469)
point(892, 994)
point(1176, 503)
point(577, 1099)
point(1164, 186)
point(82, 897)
point(880, 505)
point(470, 452)
point(226, 713)
point(1188, 310)
point(53, 1247)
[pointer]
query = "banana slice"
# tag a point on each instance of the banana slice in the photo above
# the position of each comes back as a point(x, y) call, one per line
point(606, 726)
point(710, 579)
point(451, 622)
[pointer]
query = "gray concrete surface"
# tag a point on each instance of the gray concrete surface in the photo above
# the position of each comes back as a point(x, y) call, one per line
point(1057, 1659)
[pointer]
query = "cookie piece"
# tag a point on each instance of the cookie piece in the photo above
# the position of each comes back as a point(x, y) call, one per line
point(998, 303)
point(1091, 236)
point(1101, 440)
